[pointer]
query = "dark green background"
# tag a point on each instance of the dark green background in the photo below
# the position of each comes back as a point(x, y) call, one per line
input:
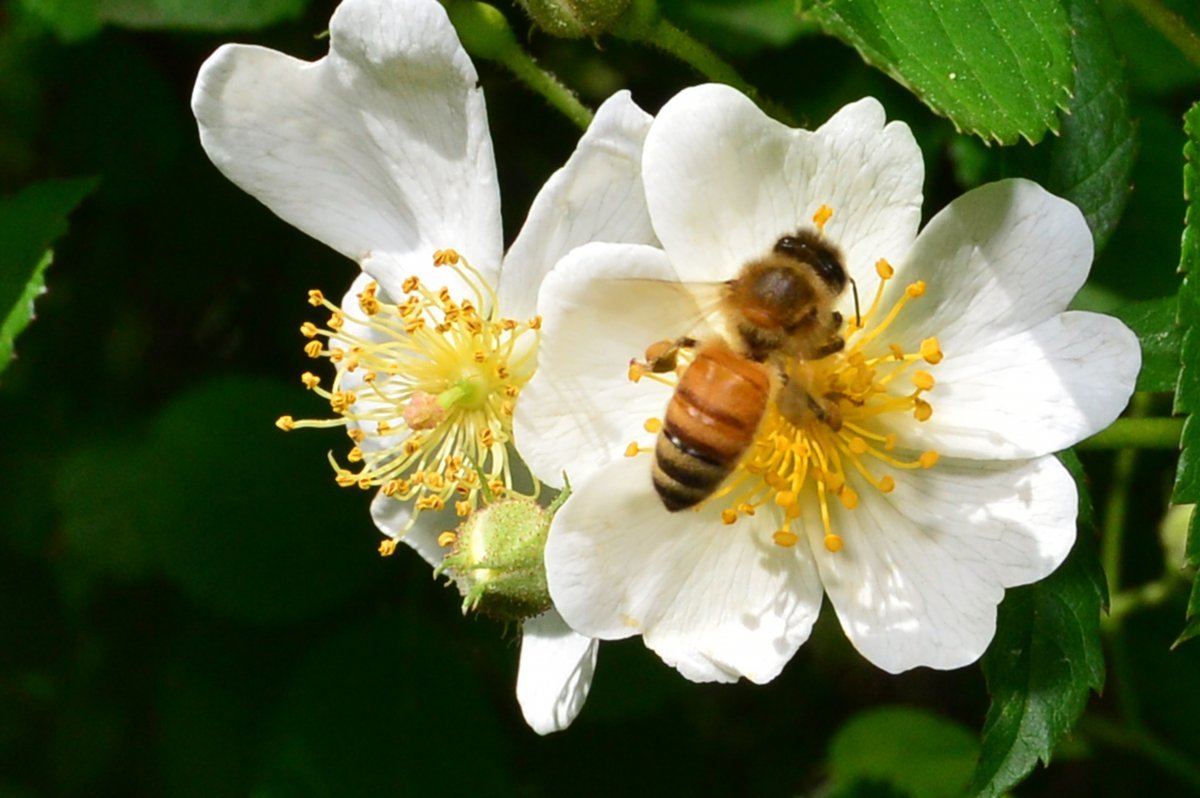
point(190, 607)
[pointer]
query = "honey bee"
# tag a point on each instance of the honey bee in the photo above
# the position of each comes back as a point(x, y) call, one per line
point(779, 310)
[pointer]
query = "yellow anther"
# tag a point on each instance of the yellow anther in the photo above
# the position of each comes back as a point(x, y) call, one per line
point(487, 438)
point(916, 289)
point(928, 459)
point(849, 498)
point(745, 508)
point(834, 481)
point(822, 217)
point(412, 325)
point(535, 323)
point(462, 509)
point(785, 538)
point(316, 298)
point(444, 257)
point(356, 435)
point(785, 498)
point(923, 380)
point(922, 410)
point(369, 377)
point(391, 487)
point(336, 355)
point(411, 447)
point(897, 351)
point(383, 428)
point(889, 442)
point(857, 445)
point(833, 543)
point(434, 503)
point(632, 450)
point(502, 372)
point(313, 349)
point(931, 352)
point(887, 484)
point(479, 356)
point(410, 284)
point(355, 455)
point(497, 488)
point(729, 516)
point(369, 305)
point(345, 479)
point(387, 547)
point(336, 320)
point(308, 330)
point(507, 408)
point(310, 380)
point(652, 425)
point(884, 269)
point(447, 539)
point(636, 370)
point(286, 423)
point(365, 483)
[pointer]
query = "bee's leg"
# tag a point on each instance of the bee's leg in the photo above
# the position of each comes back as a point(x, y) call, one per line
point(827, 411)
point(661, 357)
point(835, 344)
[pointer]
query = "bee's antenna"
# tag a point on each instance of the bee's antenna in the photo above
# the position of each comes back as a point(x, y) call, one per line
point(857, 314)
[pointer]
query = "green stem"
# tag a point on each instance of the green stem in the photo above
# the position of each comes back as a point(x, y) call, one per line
point(662, 34)
point(539, 80)
point(1148, 595)
point(1137, 433)
point(1141, 742)
point(1170, 25)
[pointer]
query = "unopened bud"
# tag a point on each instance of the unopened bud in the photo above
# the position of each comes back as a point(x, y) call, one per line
point(575, 19)
point(497, 560)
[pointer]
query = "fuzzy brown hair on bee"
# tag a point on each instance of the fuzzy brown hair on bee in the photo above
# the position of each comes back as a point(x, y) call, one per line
point(779, 308)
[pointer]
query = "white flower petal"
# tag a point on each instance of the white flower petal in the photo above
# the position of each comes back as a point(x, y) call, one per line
point(380, 147)
point(580, 410)
point(1029, 394)
point(724, 182)
point(996, 261)
point(923, 568)
point(555, 673)
point(717, 602)
point(596, 196)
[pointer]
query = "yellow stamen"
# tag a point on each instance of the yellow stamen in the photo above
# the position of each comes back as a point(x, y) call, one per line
point(447, 539)
point(387, 547)
point(822, 217)
point(785, 538)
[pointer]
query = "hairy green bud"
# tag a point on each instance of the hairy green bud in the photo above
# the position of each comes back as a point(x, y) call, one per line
point(497, 559)
point(575, 19)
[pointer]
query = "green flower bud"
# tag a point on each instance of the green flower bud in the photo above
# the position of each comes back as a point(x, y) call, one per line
point(574, 19)
point(497, 559)
point(483, 30)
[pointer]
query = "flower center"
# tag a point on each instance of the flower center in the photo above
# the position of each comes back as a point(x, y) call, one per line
point(425, 389)
point(821, 437)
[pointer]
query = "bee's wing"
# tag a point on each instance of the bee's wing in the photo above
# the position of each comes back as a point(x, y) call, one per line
point(705, 300)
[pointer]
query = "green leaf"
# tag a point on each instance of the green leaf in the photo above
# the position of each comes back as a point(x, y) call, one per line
point(1045, 658)
point(1154, 324)
point(923, 755)
point(998, 68)
point(29, 222)
point(1092, 161)
point(1187, 393)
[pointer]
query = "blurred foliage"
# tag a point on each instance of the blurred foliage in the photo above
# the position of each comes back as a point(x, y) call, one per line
point(189, 606)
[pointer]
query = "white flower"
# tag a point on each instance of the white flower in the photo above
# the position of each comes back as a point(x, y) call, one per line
point(940, 488)
point(381, 150)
